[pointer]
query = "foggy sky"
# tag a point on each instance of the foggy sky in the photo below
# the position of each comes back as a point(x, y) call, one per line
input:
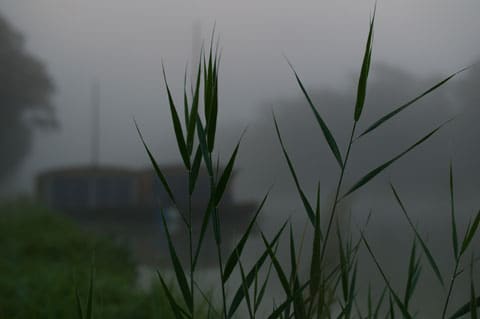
point(122, 43)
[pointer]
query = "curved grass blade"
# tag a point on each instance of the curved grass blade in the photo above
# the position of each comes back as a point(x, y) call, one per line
point(326, 131)
point(473, 301)
point(299, 308)
point(237, 252)
point(427, 252)
point(227, 173)
point(365, 179)
point(315, 265)
point(239, 295)
point(397, 300)
point(388, 116)
point(470, 233)
point(278, 268)
point(203, 229)
point(452, 212)
point(466, 308)
point(177, 266)
point(202, 140)
point(193, 112)
point(362, 81)
point(281, 308)
point(177, 310)
point(156, 167)
point(176, 125)
point(193, 174)
point(306, 204)
point(246, 290)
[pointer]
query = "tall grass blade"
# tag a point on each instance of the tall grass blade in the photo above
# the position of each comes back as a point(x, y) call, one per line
point(388, 116)
point(452, 211)
point(158, 171)
point(306, 203)
point(362, 81)
point(278, 267)
point(368, 177)
point(194, 171)
point(323, 126)
point(239, 295)
point(376, 313)
point(246, 290)
point(470, 233)
point(203, 229)
point(263, 288)
point(397, 300)
point(315, 265)
point(427, 252)
point(227, 173)
point(299, 306)
point(177, 266)
point(177, 126)
point(177, 310)
point(185, 98)
point(237, 252)
point(473, 301)
point(193, 112)
point(202, 141)
point(277, 313)
point(465, 309)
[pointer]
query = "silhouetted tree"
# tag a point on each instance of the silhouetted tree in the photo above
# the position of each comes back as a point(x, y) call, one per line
point(25, 92)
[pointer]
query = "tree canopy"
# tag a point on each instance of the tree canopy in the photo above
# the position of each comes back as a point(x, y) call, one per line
point(25, 98)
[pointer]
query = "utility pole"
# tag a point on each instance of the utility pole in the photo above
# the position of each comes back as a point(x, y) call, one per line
point(95, 100)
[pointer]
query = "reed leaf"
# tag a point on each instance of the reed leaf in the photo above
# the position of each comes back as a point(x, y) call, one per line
point(470, 233)
point(427, 252)
point(176, 125)
point(237, 252)
point(323, 126)
point(306, 203)
point(402, 107)
point(158, 171)
point(177, 266)
point(397, 300)
point(239, 294)
point(368, 177)
point(362, 81)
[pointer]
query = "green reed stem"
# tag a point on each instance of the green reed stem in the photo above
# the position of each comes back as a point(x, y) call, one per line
point(337, 192)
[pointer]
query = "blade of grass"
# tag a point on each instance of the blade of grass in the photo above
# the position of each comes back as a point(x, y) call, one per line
point(368, 177)
point(177, 266)
point(315, 265)
point(239, 295)
point(427, 252)
point(306, 203)
point(397, 300)
point(177, 310)
point(176, 125)
point(227, 173)
point(452, 211)
point(465, 309)
point(362, 81)
point(390, 115)
point(158, 171)
point(194, 112)
point(323, 126)
point(237, 252)
point(470, 233)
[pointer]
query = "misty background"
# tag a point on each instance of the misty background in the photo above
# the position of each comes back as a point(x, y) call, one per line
point(121, 44)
